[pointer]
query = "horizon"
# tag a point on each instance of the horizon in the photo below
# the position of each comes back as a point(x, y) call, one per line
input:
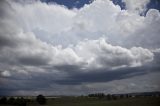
point(79, 95)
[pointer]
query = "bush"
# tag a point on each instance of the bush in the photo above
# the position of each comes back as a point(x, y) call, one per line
point(3, 100)
point(41, 99)
point(11, 101)
point(21, 101)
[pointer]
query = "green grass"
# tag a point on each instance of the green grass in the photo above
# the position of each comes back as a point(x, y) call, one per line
point(84, 101)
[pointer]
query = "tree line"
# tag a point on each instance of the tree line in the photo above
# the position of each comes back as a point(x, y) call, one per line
point(20, 101)
point(40, 99)
point(121, 96)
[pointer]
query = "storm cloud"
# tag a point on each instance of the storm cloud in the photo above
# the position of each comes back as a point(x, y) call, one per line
point(45, 44)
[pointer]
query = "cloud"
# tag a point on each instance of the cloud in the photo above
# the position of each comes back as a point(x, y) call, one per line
point(51, 43)
point(147, 36)
point(145, 82)
point(98, 53)
point(136, 5)
point(6, 73)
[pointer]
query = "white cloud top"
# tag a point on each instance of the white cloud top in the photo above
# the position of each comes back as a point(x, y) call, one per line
point(137, 6)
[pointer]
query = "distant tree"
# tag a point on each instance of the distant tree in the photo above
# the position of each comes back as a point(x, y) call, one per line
point(101, 95)
point(3, 100)
point(11, 101)
point(91, 95)
point(109, 97)
point(122, 96)
point(97, 95)
point(21, 101)
point(127, 95)
point(114, 97)
point(41, 99)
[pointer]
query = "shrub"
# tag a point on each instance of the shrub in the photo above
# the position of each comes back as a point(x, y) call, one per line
point(41, 99)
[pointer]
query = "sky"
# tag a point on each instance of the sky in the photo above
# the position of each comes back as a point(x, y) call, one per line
point(71, 47)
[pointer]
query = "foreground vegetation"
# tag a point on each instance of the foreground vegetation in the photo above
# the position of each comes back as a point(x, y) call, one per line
point(93, 101)
point(84, 101)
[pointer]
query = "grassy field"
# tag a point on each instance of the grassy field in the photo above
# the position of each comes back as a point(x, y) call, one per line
point(84, 101)
point(88, 101)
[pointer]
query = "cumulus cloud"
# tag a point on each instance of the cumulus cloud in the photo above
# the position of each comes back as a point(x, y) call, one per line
point(39, 39)
point(136, 5)
point(147, 36)
point(98, 53)
point(32, 51)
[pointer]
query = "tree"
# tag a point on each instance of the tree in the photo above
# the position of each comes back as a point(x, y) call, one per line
point(41, 99)
point(114, 97)
point(109, 97)
point(100, 95)
point(11, 101)
point(3, 100)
